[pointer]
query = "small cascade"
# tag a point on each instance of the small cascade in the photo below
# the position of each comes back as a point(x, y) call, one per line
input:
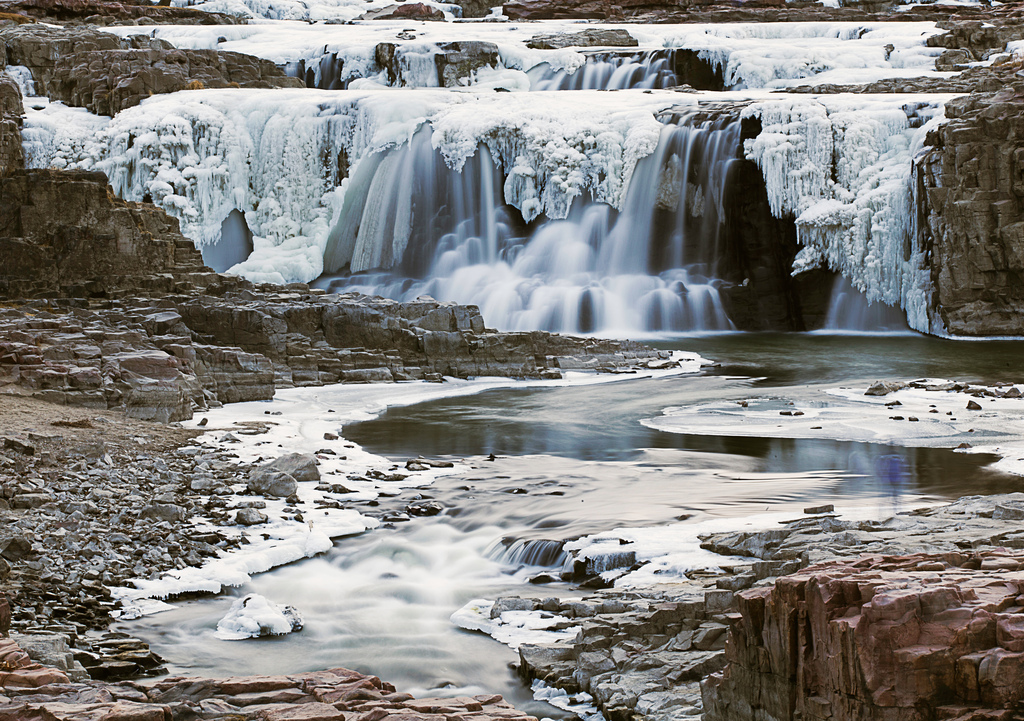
point(410, 226)
point(850, 311)
point(326, 74)
point(610, 71)
point(647, 69)
point(516, 552)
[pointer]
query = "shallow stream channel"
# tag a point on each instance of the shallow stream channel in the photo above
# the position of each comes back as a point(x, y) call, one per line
point(573, 460)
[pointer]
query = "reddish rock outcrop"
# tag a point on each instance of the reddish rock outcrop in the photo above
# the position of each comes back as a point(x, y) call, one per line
point(65, 234)
point(109, 12)
point(32, 691)
point(907, 638)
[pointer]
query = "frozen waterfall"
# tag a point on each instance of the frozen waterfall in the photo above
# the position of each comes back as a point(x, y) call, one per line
point(411, 226)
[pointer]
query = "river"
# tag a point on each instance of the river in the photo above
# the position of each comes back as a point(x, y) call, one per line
point(571, 461)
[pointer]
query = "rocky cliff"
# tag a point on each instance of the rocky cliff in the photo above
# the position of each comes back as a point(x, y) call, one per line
point(12, 157)
point(914, 638)
point(85, 67)
point(971, 195)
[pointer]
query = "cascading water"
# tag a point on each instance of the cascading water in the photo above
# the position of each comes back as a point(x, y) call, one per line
point(410, 226)
point(609, 71)
point(516, 552)
point(850, 311)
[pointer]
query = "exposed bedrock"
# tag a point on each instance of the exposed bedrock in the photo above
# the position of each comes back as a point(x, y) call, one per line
point(136, 321)
point(704, 11)
point(971, 191)
point(108, 12)
point(12, 156)
point(914, 638)
point(977, 36)
point(88, 68)
point(34, 691)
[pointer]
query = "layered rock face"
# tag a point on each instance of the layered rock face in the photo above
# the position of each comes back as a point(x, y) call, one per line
point(195, 337)
point(33, 691)
point(717, 11)
point(65, 234)
point(84, 67)
point(106, 12)
point(913, 638)
point(12, 156)
point(971, 188)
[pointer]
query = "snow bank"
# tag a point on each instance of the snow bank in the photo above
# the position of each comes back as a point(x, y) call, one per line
point(842, 166)
point(751, 55)
point(253, 616)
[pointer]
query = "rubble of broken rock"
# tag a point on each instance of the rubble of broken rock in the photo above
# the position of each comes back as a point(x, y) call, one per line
point(642, 652)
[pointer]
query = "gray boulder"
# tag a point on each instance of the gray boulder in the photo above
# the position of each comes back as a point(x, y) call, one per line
point(300, 466)
point(267, 482)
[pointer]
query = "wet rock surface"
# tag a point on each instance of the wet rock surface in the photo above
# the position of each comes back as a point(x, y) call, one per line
point(29, 690)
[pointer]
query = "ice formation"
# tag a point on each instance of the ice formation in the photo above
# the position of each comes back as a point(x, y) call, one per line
point(278, 156)
point(430, 190)
point(842, 167)
point(749, 55)
point(253, 616)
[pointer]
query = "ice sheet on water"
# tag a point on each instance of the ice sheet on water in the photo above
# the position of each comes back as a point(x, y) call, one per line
point(846, 414)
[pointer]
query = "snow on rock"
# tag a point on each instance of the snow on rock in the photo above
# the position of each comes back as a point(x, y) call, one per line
point(512, 628)
point(751, 55)
point(842, 167)
point(254, 616)
point(309, 10)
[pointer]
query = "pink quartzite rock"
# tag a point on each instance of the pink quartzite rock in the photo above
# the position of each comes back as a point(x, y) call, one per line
point(878, 637)
point(29, 691)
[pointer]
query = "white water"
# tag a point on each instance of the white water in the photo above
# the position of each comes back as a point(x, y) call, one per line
point(850, 311)
point(650, 267)
point(431, 190)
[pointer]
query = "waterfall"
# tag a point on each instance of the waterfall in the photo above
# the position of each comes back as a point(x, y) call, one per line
point(517, 552)
point(411, 226)
point(609, 71)
point(850, 311)
point(617, 70)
